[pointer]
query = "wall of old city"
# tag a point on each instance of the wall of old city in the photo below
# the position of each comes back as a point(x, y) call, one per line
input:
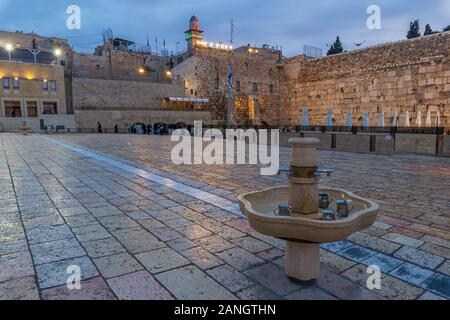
point(411, 75)
point(255, 95)
point(126, 102)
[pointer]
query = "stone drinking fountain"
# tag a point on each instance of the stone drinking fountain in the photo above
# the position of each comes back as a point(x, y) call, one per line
point(24, 128)
point(305, 215)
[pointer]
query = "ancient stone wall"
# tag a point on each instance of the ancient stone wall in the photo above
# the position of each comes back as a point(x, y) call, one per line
point(97, 94)
point(411, 75)
point(255, 94)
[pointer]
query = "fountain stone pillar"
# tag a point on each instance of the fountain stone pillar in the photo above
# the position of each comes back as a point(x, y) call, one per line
point(303, 258)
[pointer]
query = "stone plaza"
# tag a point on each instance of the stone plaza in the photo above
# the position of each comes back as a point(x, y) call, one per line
point(140, 227)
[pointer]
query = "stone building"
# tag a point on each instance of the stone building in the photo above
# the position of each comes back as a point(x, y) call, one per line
point(32, 83)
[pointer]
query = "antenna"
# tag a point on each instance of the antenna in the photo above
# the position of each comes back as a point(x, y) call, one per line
point(232, 31)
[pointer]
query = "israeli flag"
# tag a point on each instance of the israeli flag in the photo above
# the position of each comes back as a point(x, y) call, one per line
point(230, 77)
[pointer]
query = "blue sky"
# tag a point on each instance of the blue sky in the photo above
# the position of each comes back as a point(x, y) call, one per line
point(286, 23)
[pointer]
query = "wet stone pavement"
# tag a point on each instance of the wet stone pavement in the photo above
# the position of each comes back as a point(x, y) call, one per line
point(140, 227)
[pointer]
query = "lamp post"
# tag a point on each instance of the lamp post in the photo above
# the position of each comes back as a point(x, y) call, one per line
point(9, 48)
point(57, 52)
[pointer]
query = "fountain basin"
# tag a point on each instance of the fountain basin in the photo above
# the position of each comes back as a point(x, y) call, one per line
point(260, 206)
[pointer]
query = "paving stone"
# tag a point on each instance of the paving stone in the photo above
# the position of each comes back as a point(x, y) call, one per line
point(105, 211)
point(230, 278)
point(15, 266)
point(422, 258)
point(73, 211)
point(178, 223)
point(55, 273)
point(92, 289)
point(445, 268)
point(384, 262)
point(9, 217)
point(152, 224)
point(194, 231)
point(382, 225)
point(13, 247)
point(357, 253)
point(374, 243)
point(91, 232)
point(49, 233)
point(11, 232)
point(166, 234)
point(201, 286)
point(403, 240)
point(56, 250)
point(116, 223)
point(310, 293)
point(439, 284)
point(272, 277)
point(161, 260)
point(438, 241)
point(181, 244)
point(258, 292)
point(117, 265)
point(430, 296)
point(215, 244)
point(162, 215)
point(343, 288)
point(103, 247)
point(202, 258)
point(240, 259)
point(138, 240)
point(391, 288)
point(334, 261)
point(436, 249)
point(39, 222)
point(411, 273)
point(138, 286)
point(336, 246)
point(19, 289)
point(251, 244)
point(81, 220)
point(222, 229)
point(271, 254)
point(138, 215)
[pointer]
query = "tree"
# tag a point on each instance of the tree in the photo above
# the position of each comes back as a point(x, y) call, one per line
point(336, 47)
point(447, 28)
point(428, 30)
point(414, 30)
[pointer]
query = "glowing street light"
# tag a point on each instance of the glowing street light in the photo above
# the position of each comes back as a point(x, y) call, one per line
point(9, 48)
point(141, 70)
point(169, 74)
point(58, 52)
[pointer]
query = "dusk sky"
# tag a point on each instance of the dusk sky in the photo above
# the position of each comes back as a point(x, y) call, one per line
point(286, 23)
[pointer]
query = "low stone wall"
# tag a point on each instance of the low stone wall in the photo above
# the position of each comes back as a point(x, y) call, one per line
point(87, 119)
point(424, 144)
point(415, 143)
point(446, 146)
point(61, 120)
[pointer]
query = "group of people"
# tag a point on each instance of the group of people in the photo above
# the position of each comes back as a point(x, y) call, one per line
point(148, 129)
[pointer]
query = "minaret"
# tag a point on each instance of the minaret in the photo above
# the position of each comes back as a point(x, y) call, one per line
point(194, 34)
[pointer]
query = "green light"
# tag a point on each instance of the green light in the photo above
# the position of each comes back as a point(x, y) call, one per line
point(193, 36)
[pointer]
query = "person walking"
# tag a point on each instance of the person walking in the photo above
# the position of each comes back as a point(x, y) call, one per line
point(116, 129)
point(99, 128)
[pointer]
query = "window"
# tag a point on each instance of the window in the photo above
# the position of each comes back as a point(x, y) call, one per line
point(16, 84)
point(192, 91)
point(50, 108)
point(238, 86)
point(217, 83)
point(53, 86)
point(255, 87)
point(45, 85)
point(6, 83)
point(32, 108)
point(12, 109)
point(271, 88)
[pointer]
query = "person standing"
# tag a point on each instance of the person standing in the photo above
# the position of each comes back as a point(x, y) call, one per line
point(116, 129)
point(99, 128)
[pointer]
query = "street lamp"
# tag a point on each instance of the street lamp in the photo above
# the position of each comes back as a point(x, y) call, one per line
point(9, 48)
point(57, 52)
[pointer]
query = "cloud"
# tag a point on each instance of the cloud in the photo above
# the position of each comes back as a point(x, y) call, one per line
point(288, 23)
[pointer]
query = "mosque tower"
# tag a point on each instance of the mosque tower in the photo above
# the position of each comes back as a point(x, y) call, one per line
point(194, 34)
